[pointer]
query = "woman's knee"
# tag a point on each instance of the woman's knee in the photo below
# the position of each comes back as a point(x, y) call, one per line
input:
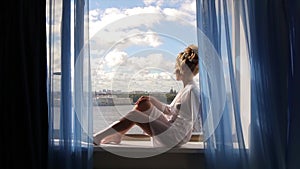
point(131, 114)
point(137, 117)
point(143, 105)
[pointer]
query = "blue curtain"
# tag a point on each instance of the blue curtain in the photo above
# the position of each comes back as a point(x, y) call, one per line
point(69, 86)
point(273, 37)
point(293, 117)
point(271, 30)
point(219, 79)
point(269, 46)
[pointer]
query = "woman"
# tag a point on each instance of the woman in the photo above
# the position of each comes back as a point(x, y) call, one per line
point(168, 125)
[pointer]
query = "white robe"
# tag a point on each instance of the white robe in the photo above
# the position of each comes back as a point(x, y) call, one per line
point(185, 109)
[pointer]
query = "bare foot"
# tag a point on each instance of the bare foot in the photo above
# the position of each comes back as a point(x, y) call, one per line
point(114, 138)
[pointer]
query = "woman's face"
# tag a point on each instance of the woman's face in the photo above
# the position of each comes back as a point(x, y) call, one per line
point(178, 74)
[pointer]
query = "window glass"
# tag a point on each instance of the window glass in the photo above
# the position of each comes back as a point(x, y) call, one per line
point(134, 45)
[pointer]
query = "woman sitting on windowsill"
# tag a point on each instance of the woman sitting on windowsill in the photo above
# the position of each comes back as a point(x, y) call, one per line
point(168, 125)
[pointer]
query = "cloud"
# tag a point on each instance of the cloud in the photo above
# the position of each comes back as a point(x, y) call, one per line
point(142, 10)
point(112, 24)
point(173, 14)
point(153, 2)
point(185, 14)
point(155, 60)
point(115, 58)
point(99, 19)
point(120, 71)
point(128, 31)
point(188, 6)
point(145, 38)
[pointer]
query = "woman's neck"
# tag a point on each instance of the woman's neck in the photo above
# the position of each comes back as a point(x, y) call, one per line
point(187, 80)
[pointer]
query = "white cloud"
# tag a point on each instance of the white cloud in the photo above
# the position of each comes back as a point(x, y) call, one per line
point(121, 72)
point(142, 10)
point(132, 30)
point(188, 6)
point(184, 15)
point(154, 2)
point(145, 38)
point(110, 15)
point(174, 13)
point(101, 19)
point(115, 58)
point(152, 60)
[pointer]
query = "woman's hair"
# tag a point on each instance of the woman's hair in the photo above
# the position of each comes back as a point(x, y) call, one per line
point(189, 58)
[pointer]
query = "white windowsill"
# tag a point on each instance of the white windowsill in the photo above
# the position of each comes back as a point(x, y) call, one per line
point(141, 146)
point(140, 143)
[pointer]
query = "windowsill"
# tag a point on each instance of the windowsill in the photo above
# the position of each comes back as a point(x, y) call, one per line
point(139, 143)
point(141, 146)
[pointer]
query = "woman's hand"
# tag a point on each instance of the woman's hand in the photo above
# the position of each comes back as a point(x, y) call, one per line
point(143, 103)
point(152, 101)
point(142, 98)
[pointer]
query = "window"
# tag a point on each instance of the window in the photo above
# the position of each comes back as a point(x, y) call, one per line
point(133, 45)
point(133, 49)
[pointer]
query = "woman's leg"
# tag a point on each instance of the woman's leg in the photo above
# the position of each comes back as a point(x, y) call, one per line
point(154, 125)
point(115, 131)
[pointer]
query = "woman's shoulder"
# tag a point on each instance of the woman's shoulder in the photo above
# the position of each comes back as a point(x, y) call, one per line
point(192, 88)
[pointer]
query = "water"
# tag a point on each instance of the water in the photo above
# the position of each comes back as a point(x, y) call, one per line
point(105, 115)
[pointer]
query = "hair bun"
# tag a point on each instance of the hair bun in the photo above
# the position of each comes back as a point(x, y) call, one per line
point(194, 48)
point(192, 54)
point(190, 58)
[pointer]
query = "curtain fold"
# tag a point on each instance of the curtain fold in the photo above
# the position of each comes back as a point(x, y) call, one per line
point(293, 137)
point(223, 130)
point(69, 85)
point(269, 41)
point(268, 31)
point(273, 35)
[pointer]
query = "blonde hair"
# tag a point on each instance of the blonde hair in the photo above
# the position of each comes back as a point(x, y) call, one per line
point(189, 58)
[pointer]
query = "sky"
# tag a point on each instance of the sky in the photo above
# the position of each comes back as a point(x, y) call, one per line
point(134, 43)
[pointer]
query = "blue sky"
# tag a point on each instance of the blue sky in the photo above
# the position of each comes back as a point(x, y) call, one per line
point(134, 43)
point(94, 4)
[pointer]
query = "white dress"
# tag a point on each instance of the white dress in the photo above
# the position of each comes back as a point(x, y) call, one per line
point(185, 109)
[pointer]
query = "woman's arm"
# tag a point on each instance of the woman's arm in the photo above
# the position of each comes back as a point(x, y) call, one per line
point(158, 104)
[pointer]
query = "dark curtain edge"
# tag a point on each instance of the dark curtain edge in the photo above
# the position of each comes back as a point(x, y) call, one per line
point(24, 114)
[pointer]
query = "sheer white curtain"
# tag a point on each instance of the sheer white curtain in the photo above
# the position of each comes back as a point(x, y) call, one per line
point(69, 85)
point(225, 82)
